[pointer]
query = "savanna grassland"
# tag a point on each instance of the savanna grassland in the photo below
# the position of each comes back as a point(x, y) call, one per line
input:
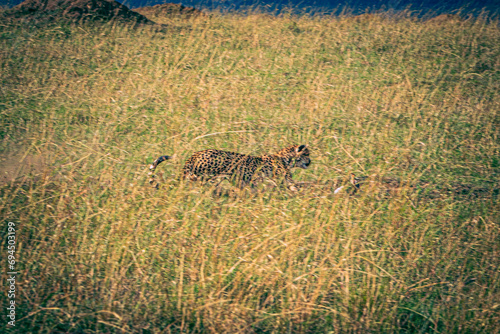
point(86, 108)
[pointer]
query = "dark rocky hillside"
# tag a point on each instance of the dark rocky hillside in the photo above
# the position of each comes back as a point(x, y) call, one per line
point(75, 10)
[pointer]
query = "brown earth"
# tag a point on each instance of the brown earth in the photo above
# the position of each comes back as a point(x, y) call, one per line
point(21, 163)
point(169, 9)
point(75, 10)
point(445, 18)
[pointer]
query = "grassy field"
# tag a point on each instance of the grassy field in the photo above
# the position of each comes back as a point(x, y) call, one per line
point(85, 109)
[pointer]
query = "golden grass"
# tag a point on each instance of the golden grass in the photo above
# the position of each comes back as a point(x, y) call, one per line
point(100, 251)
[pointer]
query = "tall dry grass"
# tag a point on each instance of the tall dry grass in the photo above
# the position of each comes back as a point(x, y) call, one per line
point(85, 109)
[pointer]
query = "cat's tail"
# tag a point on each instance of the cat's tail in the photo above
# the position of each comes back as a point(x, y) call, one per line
point(153, 166)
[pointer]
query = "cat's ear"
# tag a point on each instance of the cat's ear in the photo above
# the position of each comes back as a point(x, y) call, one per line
point(300, 148)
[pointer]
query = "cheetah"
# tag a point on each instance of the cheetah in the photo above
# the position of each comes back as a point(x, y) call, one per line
point(243, 169)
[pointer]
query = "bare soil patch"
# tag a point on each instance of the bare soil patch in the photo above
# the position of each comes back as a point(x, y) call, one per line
point(169, 10)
